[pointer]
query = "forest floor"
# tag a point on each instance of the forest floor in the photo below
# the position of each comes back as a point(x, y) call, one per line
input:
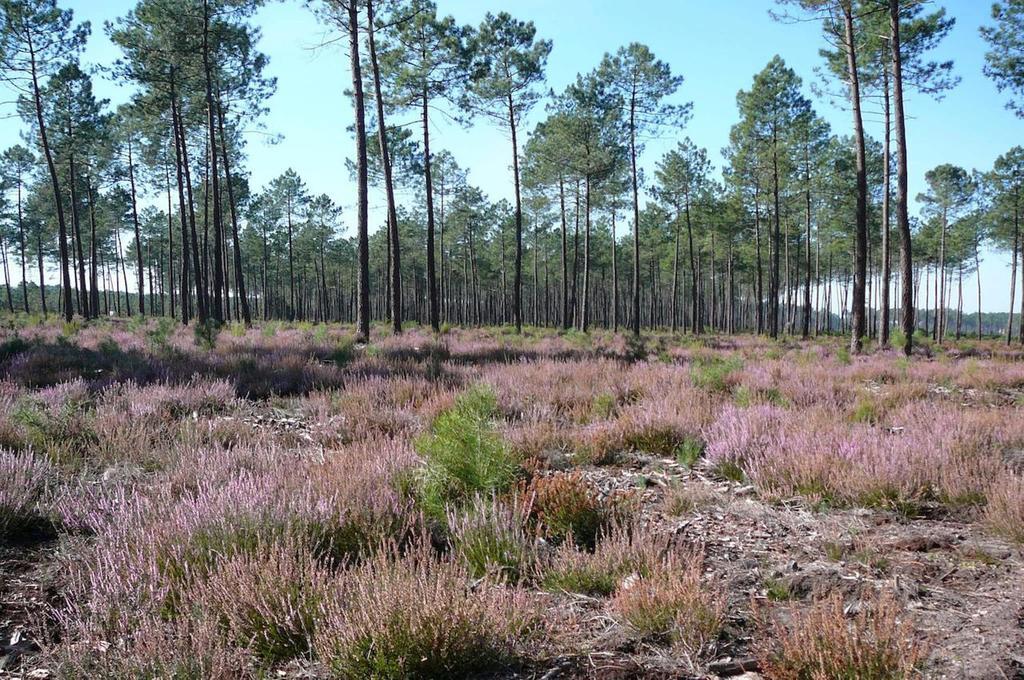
point(280, 502)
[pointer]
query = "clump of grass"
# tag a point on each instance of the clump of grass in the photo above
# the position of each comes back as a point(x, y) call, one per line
point(464, 455)
point(415, 616)
point(682, 499)
point(603, 406)
point(777, 590)
point(821, 642)
point(689, 451)
point(744, 396)
point(727, 469)
point(672, 605)
point(652, 437)
point(715, 374)
point(865, 410)
point(491, 539)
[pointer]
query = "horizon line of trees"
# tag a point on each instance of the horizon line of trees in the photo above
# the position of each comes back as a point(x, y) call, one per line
point(146, 208)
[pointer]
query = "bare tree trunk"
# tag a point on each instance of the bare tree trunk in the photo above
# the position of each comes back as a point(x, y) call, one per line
point(861, 240)
point(584, 314)
point(363, 280)
point(674, 313)
point(615, 274)
point(635, 305)
point(565, 257)
point(1013, 279)
point(902, 206)
point(517, 293)
point(236, 248)
point(389, 189)
point(58, 199)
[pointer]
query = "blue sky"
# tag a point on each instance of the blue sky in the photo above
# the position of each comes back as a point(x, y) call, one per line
point(717, 45)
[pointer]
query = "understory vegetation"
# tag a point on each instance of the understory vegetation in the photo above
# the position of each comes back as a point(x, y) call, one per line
point(281, 500)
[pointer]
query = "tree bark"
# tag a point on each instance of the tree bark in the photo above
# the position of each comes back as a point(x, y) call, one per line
point(58, 199)
point(902, 206)
point(389, 188)
point(363, 279)
point(861, 236)
point(635, 307)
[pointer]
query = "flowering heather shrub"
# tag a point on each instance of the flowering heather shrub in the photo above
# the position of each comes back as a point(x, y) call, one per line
point(413, 347)
point(85, 507)
point(743, 434)
point(938, 453)
point(45, 365)
point(538, 440)
point(58, 422)
point(170, 402)
point(672, 604)
point(160, 548)
point(600, 443)
point(160, 650)
point(25, 480)
point(658, 427)
point(565, 505)
point(415, 616)
point(876, 644)
point(1004, 512)
point(491, 538)
point(564, 391)
point(375, 405)
point(11, 434)
point(464, 455)
point(623, 550)
point(266, 602)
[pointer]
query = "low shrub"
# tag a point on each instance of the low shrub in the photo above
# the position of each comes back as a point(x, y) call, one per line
point(673, 605)
point(565, 505)
point(24, 481)
point(1004, 511)
point(624, 551)
point(821, 642)
point(266, 602)
point(205, 334)
point(59, 425)
point(491, 539)
point(160, 651)
point(13, 346)
point(415, 616)
point(344, 353)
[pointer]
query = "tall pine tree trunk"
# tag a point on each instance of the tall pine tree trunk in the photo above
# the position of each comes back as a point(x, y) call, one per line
point(389, 189)
point(902, 205)
point(363, 277)
point(861, 234)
